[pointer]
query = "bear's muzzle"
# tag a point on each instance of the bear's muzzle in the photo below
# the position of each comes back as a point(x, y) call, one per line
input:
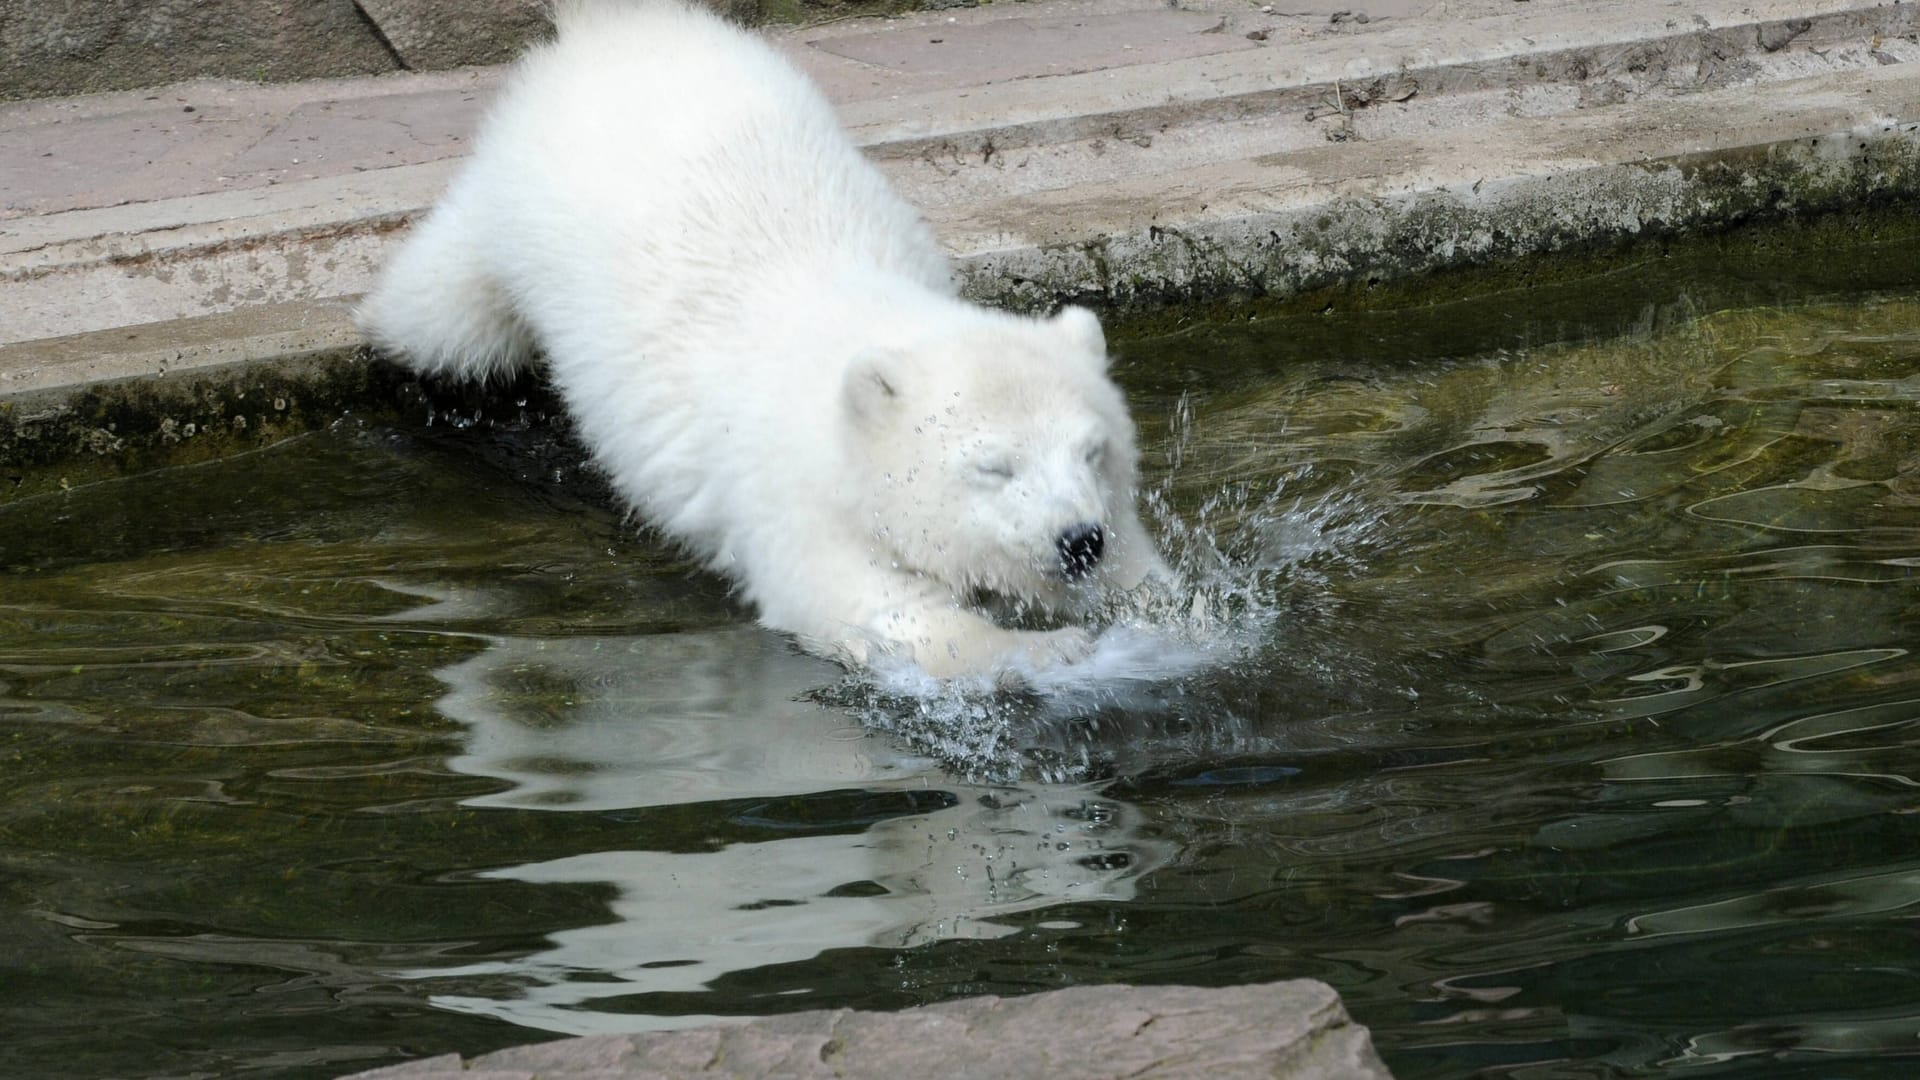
point(1080, 549)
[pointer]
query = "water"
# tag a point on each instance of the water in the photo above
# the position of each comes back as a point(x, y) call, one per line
point(1556, 703)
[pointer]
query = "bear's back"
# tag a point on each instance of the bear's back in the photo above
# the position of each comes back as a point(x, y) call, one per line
point(695, 146)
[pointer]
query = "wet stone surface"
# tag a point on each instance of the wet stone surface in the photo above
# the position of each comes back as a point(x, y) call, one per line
point(1283, 1031)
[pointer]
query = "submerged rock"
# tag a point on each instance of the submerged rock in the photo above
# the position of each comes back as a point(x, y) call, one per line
point(1296, 1030)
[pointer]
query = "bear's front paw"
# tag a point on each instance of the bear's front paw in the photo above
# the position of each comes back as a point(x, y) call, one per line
point(962, 643)
point(1053, 648)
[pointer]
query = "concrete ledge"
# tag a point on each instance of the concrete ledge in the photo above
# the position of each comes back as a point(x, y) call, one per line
point(1129, 183)
point(1275, 223)
point(79, 409)
point(1294, 1030)
point(1542, 59)
point(1292, 222)
point(56, 367)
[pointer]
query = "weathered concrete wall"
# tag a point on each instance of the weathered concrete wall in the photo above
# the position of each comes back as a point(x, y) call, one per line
point(77, 46)
point(50, 47)
point(428, 35)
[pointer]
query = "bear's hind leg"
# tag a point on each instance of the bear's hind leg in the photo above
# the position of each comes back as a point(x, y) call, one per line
point(437, 309)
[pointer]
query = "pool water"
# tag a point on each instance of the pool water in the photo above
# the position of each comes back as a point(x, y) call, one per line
point(1557, 703)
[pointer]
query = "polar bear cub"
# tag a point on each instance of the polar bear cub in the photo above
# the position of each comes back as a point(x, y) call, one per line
point(761, 345)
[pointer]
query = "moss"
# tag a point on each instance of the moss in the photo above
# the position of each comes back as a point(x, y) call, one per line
point(126, 426)
point(1593, 288)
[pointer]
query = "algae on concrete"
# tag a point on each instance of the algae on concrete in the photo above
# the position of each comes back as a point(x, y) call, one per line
point(111, 429)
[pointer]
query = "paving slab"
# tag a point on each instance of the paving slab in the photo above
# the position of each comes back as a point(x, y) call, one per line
point(149, 147)
point(1294, 1030)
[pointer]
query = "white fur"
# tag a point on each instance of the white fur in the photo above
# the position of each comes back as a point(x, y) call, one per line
point(761, 345)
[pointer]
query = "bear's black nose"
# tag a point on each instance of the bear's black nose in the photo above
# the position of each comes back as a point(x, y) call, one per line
point(1080, 549)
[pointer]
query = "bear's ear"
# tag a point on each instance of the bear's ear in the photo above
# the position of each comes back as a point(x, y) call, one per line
point(872, 383)
point(1082, 329)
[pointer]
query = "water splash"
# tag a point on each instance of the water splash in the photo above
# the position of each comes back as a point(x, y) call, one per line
point(1252, 565)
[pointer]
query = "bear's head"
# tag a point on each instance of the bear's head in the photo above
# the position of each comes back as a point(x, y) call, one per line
point(996, 455)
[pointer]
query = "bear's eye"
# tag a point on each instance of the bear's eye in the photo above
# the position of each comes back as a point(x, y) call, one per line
point(994, 471)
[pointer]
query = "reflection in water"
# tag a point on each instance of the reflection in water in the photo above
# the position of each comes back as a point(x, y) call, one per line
point(610, 723)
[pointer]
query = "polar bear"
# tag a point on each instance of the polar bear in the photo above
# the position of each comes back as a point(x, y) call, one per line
point(761, 345)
